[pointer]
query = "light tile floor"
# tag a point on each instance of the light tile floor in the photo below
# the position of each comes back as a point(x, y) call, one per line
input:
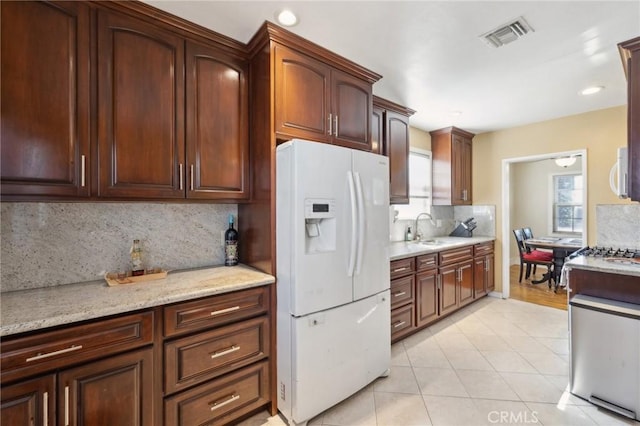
point(494, 362)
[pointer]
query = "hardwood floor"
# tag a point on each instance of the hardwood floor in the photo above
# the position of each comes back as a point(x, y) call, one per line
point(539, 294)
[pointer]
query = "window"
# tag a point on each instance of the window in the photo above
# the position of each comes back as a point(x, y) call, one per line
point(419, 185)
point(567, 203)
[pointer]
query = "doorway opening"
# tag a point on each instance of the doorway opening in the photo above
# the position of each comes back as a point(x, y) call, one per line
point(509, 188)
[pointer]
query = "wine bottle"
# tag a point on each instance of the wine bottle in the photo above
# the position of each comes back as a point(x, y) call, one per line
point(136, 259)
point(231, 244)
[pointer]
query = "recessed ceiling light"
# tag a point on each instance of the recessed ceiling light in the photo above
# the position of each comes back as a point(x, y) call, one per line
point(455, 113)
point(591, 90)
point(287, 18)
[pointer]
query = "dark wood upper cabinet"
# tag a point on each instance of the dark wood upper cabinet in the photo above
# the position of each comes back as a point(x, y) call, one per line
point(451, 148)
point(630, 52)
point(315, 101)
point(390, 133)
point(217, 139)
point(45, 98)
point(302, 96)
point(352, 105)
point(140, 109)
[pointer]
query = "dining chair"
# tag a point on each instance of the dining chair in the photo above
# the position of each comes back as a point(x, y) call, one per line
point(532, 257)
point(528, 233)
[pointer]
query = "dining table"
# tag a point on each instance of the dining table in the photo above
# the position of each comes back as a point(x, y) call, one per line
point(561, 247)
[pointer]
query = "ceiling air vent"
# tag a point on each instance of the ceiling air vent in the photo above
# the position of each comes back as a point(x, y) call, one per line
point(507, 33)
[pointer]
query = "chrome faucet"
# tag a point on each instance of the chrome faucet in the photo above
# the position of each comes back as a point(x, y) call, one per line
point(417, 231)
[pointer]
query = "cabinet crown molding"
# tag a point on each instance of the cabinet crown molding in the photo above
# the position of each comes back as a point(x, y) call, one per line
point(392, 106)
point(270, 32)
point(453, 129)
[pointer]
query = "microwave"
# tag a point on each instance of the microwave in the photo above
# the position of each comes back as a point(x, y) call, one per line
point(618, 176)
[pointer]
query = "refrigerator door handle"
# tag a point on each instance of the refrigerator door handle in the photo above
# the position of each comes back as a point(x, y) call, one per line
point(361, 224)
point(354, 224)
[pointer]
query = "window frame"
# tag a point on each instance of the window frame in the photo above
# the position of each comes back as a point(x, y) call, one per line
point(405, 211)
point(553, 204)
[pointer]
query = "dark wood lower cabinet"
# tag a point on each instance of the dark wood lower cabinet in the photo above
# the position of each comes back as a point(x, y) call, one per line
point(205, 361)
point(427, 297)
point(465, 274)
point(113, 391)
point(448, 290)
point(31, 402)
point(443, 282)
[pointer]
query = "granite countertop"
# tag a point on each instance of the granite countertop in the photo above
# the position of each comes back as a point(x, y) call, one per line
point(34, 309)
point(600, 265)
point(404, 249)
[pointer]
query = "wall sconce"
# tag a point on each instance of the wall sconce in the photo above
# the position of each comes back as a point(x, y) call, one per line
point(565, 161)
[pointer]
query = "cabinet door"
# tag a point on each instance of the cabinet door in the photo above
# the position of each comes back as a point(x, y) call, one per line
point(140, 109)
point(31, 402)
point(377, 131)
point(217, 125)
point(397, 149)
point(45, 98)
point(465, 280)
point(461, 173)
point(302, 96)
point(490, 277)
point(479, 277)
point(113, 391)
point(351, 109)
point(449, 287)
point(426, 297)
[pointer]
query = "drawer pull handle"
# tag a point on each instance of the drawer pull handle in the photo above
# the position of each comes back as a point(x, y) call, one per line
point(225, 351)
point(216, 405)
point(400, 269)
point(400, 324)
point(66, 406)
point(54, 353)
point(45, 408)
point(402, 293)
point(224, 311)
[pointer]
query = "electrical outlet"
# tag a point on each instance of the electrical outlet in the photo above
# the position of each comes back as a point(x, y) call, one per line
point(438, 223)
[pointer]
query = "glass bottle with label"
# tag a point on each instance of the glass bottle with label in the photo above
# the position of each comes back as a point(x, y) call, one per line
point(231, 244)
point(136, 259)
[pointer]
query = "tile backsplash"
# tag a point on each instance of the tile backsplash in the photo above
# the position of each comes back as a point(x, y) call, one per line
point(618, 225)
point(48, 244)
point(449, 217)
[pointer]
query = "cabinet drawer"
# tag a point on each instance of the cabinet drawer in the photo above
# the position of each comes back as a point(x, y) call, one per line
point(220, 401)
point(401, 321)
point(402, 267)
point(427, 261)
point(49, 350)
point(402, 291)
point(483, 248)
point(448, 257)
point(194, 359)
point(213, 311)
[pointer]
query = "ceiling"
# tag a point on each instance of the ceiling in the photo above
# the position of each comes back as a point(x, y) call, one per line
point(432, 58)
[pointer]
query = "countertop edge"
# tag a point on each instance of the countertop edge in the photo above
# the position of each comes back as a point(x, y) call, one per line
point(97, 300)
point(402, 250)
point(599, 265)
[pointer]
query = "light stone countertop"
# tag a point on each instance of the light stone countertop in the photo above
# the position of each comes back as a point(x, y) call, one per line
point(404, 249)
point(34, 309)
point(601, 265)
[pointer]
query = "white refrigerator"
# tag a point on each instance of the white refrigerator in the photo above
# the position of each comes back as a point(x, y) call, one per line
point(332, 237)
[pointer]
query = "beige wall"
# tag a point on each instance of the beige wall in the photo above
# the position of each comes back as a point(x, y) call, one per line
point(419, 139)
point(599, 132)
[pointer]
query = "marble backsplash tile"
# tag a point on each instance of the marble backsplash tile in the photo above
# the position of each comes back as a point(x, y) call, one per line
point(448, 217)
point(618, 225)
point(48, 244)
